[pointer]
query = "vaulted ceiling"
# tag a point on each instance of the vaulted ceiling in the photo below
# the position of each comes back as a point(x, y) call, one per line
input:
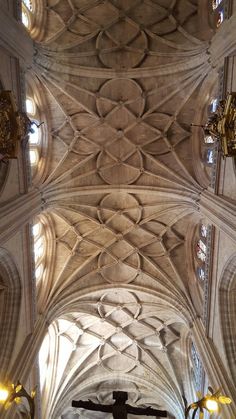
point(119, 81)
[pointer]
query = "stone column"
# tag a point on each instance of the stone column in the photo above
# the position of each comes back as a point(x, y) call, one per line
point(220, 211)
point(15, 39)
point(223, 42)
point(213, 366)
point(25, 359)
point(15, 213)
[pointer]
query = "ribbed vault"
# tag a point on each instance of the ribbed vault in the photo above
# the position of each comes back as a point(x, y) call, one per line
point(120, 80)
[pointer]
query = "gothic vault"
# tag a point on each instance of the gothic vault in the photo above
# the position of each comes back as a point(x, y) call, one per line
point(119, 192)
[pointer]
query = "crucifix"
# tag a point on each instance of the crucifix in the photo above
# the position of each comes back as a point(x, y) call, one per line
point(120, 409)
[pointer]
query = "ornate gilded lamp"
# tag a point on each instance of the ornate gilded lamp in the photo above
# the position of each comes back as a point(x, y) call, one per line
point(14, 393)
point(222, 125)
point(211, 403)
point(14, 125)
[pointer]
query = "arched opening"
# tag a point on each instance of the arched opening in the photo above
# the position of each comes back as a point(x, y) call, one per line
point(10, 298)
point(38, 138)
point(227, 297)
point(4, 164)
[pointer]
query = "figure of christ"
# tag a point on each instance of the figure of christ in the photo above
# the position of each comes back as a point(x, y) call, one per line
point(120, 409)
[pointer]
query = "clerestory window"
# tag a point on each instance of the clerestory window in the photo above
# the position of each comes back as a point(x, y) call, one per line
point(201, 250)
point(215, 4)
point(34, 134)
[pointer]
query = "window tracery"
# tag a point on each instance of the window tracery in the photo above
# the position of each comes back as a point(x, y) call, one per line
point(196, 367)
point(220, 18)
point(28, 4)
point(213, 105)
point(201, 251)
point(25, 17)
point(26, 13)
point(215, 4)
point(210, 156)
point(218, 9)
point(34, 134)
point(209, 143)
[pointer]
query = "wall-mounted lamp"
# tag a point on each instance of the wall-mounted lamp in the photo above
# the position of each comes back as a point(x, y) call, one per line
point(211, 402)
point(14, 393)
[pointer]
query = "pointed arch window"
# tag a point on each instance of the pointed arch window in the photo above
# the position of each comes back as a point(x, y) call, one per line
point(201, 273)
point(201, 251)
point(196, 367)
point(34, 158)
point(28, 4)
point(34, 134)
point(210, 156)
point(209, 142)
point(220, 18)
point(26, 13)
point(213, 105)
point(208, 139)
point(30, 106)
point(215, 4)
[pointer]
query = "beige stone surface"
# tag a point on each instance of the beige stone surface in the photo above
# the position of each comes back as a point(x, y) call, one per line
point(121, 189)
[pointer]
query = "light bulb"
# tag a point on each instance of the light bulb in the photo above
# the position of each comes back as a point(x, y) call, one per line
point(212, 405)
point(4, 393)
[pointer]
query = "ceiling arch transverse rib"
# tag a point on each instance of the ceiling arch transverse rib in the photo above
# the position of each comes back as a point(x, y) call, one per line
point(121, 80)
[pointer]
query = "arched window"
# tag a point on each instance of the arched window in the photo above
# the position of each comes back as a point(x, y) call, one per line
point(30, 106)
point(201, 274)
point(196, 367)
point(210, 156)
point(34, 134)
point(215, 4)
point(39, 249)
point(220, 18)
point(208, 139)
point(26, 13)
point(201, 251)
point(28, 4)
point(209, 144)
point(213, 105)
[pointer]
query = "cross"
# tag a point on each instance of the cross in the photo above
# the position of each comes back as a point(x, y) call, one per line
point(120, 409)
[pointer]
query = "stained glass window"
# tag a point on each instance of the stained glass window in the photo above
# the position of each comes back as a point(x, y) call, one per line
point(201, 274)
point(215, 4)
point(26, 13)
point(210, 156)
point(208, 139)
point(213, 105)
point(220, 18)
point(28, 4)
point(201, 250)
point(197, 367)
point(203, 230)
